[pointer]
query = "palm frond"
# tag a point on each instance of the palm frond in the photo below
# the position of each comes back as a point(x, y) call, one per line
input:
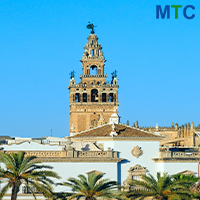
point(4, 190)
point(164, 187)
point(92, 188)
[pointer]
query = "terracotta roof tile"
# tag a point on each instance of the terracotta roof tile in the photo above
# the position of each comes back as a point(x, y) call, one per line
point(122, 130)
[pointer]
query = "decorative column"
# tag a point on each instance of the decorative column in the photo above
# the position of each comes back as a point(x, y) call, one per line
point(185, 131)
point(81, 97)
point(107, 97)
point(63, 152)
point(100, 97)
point(70, 150)
point(89, 97)
point(110, 152)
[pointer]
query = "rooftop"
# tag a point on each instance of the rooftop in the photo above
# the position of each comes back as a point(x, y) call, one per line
point(5, 137)
point(122, 130)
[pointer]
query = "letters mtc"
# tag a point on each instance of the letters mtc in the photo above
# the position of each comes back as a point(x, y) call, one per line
point(166, 11)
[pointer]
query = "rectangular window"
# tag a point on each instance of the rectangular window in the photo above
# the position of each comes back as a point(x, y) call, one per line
point(137, 178)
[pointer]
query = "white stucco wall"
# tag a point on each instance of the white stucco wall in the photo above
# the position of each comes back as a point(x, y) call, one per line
point(173, 168)
point(150, 150)
point(67, 169)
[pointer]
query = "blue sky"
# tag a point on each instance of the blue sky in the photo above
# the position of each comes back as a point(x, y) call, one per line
point(42, 41)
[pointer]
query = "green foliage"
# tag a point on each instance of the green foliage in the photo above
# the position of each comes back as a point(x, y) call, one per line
point(25, 170)
point(164, 187)
point(93, 187)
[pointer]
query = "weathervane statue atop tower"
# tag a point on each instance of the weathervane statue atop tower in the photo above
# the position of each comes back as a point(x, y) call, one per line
point(91, 26)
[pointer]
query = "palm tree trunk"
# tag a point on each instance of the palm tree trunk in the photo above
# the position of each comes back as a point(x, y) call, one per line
point(159, 198)
point(89, 198)
point(14, 192)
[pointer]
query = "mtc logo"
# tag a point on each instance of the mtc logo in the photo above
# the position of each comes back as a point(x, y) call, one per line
point(162, 13)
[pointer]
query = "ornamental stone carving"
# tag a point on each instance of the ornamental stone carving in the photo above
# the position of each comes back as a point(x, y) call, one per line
point(133, 172)
point(137, 151)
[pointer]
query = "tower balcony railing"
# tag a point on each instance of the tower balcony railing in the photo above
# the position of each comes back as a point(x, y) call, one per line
point(90, 84)
point(116, 103)
point(95, 76)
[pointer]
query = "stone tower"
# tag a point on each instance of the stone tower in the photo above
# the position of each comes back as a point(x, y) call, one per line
point(93, 100)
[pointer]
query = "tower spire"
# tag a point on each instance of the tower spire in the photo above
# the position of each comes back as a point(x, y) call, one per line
point(93, 97)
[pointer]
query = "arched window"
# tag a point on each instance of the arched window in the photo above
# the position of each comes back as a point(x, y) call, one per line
point(103, 97)
point(94, 95)
point(111, 97)
point(84, 97)
point(77, 97)
point(93, 70)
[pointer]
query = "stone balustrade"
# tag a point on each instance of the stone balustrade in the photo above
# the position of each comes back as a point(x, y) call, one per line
point(107, 154)
point(166, 155)
point(171, 154)
point(71, 153)
point(39, 154)
point(90, 75)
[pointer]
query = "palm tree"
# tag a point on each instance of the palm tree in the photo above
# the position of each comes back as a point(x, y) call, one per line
point(163, 188)
point(20, 169)
point(93, 187)
point(191, 182)
point(187, 180)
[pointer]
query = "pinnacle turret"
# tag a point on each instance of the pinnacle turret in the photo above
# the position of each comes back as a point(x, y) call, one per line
point(93, 50)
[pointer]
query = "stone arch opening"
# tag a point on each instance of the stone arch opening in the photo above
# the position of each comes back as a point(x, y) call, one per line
point(94, 95)
point(103, 97)
point(77, 97)
point(84, 97)
point(93, 70)
point(111, 97)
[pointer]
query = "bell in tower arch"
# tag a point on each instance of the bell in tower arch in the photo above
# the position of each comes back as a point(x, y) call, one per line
point(94, 95)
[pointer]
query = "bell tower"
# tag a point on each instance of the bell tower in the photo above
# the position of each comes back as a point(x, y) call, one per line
point(93, 100)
